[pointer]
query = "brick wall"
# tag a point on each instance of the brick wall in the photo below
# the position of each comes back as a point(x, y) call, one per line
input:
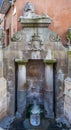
point(10, 23)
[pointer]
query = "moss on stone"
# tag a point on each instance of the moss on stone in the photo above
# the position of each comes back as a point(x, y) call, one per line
point(50, 61)
point(69, 52)
point(21, 61)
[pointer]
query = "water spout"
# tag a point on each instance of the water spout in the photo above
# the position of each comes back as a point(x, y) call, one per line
point(35, 114)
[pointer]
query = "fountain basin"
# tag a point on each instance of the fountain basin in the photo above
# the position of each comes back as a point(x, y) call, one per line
point(35, 119)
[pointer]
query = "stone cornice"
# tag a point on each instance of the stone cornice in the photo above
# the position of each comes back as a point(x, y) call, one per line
point(36, 22)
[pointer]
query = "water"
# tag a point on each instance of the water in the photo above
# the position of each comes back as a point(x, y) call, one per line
point(35, 115)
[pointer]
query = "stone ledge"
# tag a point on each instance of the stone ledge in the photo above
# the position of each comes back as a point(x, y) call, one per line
point(35, 22)
point(49, 61)
point(69, 52)
point(21, 61)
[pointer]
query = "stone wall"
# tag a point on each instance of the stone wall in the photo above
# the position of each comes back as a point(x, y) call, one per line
point(36, 42)
point(69, 62)
point(17, 50)
point(3, 83)
point(67, 99)
point(67, 90)
point(3, 98)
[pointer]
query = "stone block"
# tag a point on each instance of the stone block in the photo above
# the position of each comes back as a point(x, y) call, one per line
point(60, 108)
point(67, 112)
point(69, 63)
point(21, 97)
point(3, 99)
point(67, 99)
point(67, 90)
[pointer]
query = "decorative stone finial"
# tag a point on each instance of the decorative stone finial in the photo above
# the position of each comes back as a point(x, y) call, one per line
point(29, 7)
point(29, 11)
point(30, 18)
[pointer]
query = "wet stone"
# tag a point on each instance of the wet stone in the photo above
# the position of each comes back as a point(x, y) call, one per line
point(46, 124)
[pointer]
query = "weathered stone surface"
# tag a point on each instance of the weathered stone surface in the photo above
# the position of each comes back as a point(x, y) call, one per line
point(67, 99)
point(1, 52)
point(34, 19)
point(21, 97)
point(60, 93)
point(21, 77)
point(48, 104)
point(49, 84)
point(62, 121)
point(69, 38)
point(36, 42)
point(69, 63)
point(1, 36)
point(3, 98)
point(6, 122)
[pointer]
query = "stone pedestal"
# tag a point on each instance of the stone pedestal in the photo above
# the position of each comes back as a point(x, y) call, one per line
point(67, 99)
point(3, 98)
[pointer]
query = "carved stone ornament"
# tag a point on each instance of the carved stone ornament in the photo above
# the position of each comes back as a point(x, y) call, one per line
point(35, 44)
point(18, 36)
point(29, 7)
point(54, 37)
point(29, 12)
point(31, 19)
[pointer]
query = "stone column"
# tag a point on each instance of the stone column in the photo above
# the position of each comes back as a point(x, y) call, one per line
point(49, 76)
point(48, 95)
point(21, 90)
point(21, 76)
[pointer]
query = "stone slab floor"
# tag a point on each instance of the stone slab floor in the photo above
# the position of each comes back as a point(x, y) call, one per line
point(46, 124)
point(13, 123)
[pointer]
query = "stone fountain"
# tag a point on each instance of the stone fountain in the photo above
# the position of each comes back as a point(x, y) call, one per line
point(31, 66)
point(35, 63)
